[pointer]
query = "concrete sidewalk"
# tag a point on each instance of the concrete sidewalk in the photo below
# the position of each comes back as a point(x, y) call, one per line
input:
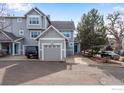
point(86, 61)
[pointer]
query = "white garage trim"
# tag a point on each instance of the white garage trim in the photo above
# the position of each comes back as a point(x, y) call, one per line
point(64, 48)
point(51, 39)
point(39, 49)
point(50, 44)
point(55, 29)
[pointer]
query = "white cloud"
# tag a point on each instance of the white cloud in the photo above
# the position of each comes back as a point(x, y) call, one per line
point(118, 8)
point(19, 7)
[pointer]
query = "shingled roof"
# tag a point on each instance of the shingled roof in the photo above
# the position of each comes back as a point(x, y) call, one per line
point(63, 25)
point(7, 36)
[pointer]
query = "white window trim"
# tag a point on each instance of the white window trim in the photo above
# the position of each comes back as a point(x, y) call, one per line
point(30, 16)
point(19, 20)
point(21, 34)
point(31, 35)
point(68, 33)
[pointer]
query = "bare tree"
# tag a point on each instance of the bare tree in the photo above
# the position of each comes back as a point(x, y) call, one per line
point(3, 13)
point(115, 27)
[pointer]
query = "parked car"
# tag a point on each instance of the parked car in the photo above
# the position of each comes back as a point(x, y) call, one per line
point(110, 54)
point(122, 52)
point(31, 52)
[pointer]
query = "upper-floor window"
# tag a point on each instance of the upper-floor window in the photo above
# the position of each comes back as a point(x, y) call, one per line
point(34, 20)
point(34, 34)
point(19, 19)
point(67, 34)
point(21, 32)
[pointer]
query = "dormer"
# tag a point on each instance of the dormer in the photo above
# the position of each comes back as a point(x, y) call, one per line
point(36, 19)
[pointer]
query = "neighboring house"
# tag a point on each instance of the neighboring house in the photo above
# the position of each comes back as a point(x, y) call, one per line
point(55, 39)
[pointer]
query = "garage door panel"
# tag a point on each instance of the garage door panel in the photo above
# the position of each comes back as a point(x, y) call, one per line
point(52, 52)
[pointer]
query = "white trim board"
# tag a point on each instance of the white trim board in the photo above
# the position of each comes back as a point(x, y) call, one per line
point(36, 11)
point(33, 31)
point(7, 35)
point(51, 26)
point(30, 16)
point(18, 39)
point(51, 39)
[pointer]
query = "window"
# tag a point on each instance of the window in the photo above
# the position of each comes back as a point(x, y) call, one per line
point(52, 46)
point(34, 20)
point(34, 34)
point(21, 32)
point(19, 19)
point(67, 34)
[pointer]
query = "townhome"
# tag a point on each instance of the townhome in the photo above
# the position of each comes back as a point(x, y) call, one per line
point(54, 39)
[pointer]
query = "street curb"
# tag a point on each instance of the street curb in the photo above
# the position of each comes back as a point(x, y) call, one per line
point(31, 61)
point(20, 60)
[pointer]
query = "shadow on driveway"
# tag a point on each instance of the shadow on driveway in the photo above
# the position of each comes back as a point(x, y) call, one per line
point(27, 71)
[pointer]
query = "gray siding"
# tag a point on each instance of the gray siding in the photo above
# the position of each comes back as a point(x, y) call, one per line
point(72, 34)
point(70, 43)
point(16, 26)
point(52, 34)
point(43, 21)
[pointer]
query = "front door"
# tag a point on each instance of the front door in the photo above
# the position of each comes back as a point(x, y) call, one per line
point(17, 48)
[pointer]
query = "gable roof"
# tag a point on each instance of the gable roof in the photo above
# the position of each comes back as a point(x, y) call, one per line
point(36, 10)
point(48, 30)
point(9, 36)
point(4, 38)
point(63, 25)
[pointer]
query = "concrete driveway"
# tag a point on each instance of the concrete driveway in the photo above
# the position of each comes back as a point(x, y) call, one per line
point(77, 71)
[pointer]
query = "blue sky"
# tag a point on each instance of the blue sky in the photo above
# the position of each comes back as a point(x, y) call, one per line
point(66, 11)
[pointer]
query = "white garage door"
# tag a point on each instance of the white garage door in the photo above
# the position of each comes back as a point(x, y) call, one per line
point(52, 52)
